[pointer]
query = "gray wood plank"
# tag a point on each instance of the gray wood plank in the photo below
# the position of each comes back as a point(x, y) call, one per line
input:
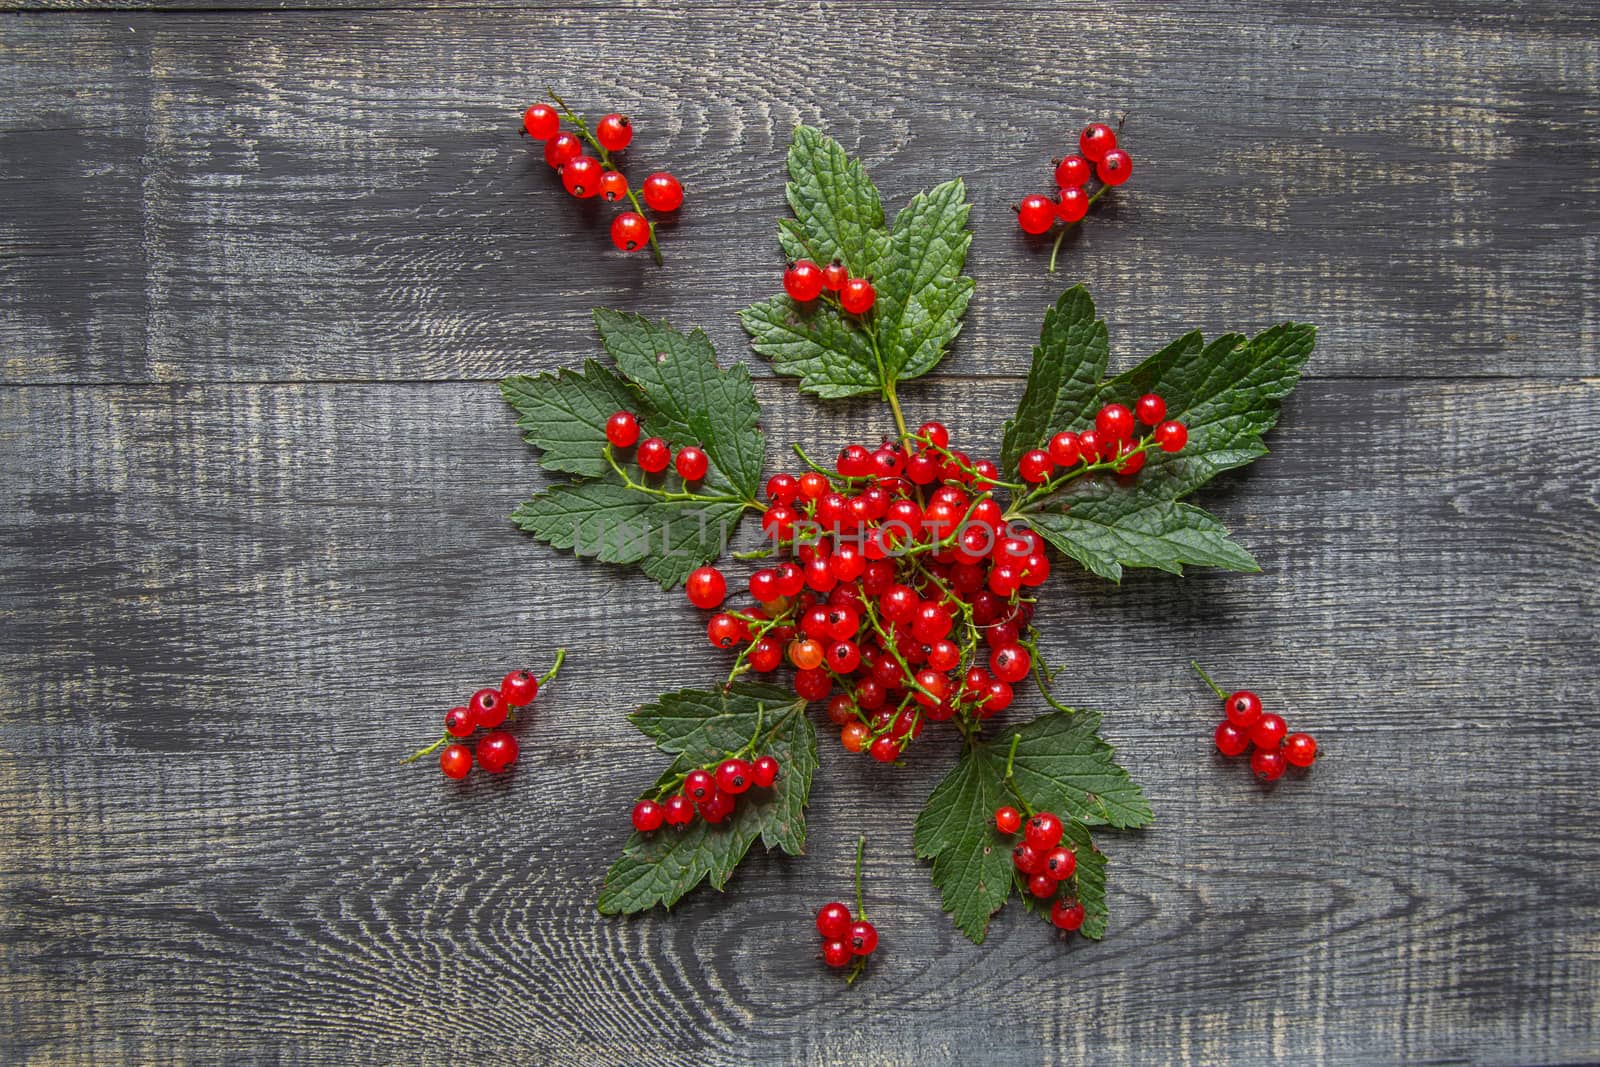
point(327, 196)
point(225, 609)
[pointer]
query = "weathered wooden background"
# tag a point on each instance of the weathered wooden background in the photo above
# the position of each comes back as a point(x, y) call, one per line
point(259, 272)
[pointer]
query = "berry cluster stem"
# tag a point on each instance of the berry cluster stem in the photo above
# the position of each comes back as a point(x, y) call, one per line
point(1207, 679)
point(1098, 193)
point(859, 967)
point(606, 162)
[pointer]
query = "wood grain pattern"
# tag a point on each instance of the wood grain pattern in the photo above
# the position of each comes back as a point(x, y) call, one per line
point(256, 274)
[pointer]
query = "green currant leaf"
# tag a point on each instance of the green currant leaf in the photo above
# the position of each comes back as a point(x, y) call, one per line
point(701, 728)
point(1226, 393)
point(1060, 764)
point(614, 513)
point(915, 267)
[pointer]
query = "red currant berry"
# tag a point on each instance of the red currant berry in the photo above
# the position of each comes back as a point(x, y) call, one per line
point(863, 938)
point(613, 186)
point(1064, 449)
point(541, 121)
point(803, 281)
point(1133, 464)
point(519, 688)
point(622, 429)
point(884, 749)
point(1026, 858)
point(1151, 409)
point(725, 631)
point(648, 816)
point(1067, 916)
point(766, 655)
point(1043, 832)
point(857, 296)
point(1059, 863)
point(1243, 708)
point(698, 785)
point(1115, 168)
point(455, 761)
point(833, 921)
point(497, 751)
point(717, 807)
point(1042, 885)
point(944, 655)
point(678, 810)
point(561, 149)
point(836, 953)
point(1268, 732)
point(1036, 214)
point(1172, 436)
point(613, 132)
point(854, 736)
point(1007, 820)
point(706, 587)
point(1010, 663)
point(1231, 740)
point(662, 192)
point(935, 434)
point(1089, 446)
point(489, 708)
point(459, 722)
point(1035, 466)
point(1268, 764)
point(1072, 205)
point(1115, 422)
point(734, 776)
point(1096, 140)
point(1005, 579)
point(843, 657)
point(630, 231)
point(806, 655)
point(813, 485)
point(1073, 172)
point(764, 772)
point(779, 522)
point(581, 176)
point(783, 488)
point(692, 463)
point(813, 684)
point(653, 456)
point(854, 461)
point(1300, 750)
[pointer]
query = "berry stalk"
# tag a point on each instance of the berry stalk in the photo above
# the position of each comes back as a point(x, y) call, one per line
point(1096, 195)
point(605, 162)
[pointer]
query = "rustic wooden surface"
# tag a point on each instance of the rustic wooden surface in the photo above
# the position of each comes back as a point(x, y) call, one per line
point(258, 274)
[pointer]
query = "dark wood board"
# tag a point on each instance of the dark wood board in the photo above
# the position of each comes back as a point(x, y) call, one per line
point(258, 273)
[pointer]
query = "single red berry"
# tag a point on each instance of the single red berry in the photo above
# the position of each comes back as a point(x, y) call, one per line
point(489, 708)
point(834, 276)
point(1089, 446)
point(497, 751)
point(833, 921)
point(692, 463)
point(1041, 885)
point(662, 192)
point(581, 176)
point(863, 938)
point(699, 784)
point(1073, 172)
point(764, 772)
point(854, 736)
point(653, 456)
point(766, 655)
point(843, 622)
point(622, 429)
point(944, 655)
point(519, 688)
point(843, 657)
point(783, 488)
point(1010, 663)
point(1114, 422)
point(1072, 205)
point(717, 807)
point(678, 810)
point(459, 722)
point(648, 816)
point(630, 231)
point(1035, 466)
point(1133, 464)
point(734, 776)
point(806, 655)
point(1115, 168)
point(613, 186)
point(1036, 214)
point(706, 587)
point(725, 631)
point(1268, 764)
point(1059, 863)
point(1151, 409)
point(857, 296)
point(884, 749)
point(1172, 436)
point(1026, 858)
point(1300, 750)
point(1231, 740)
point(541, 121)
point(854, 461)
point(1243, 708)
point(1268, 732)
point(803, 281)
point(1067, 916)
point(613, 132)
point(455, 761)
point(1096, 140)
point(813, 684)
point(836, 953)
point(1043, 832)
point(1064, 449)
point(1007, 820)
point(561, 148)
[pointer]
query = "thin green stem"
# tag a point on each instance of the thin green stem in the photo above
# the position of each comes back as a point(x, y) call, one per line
point(606, 162)
point(861, 848)
point(1207, 678)
point(724, 498)
point(555, 668)
point(1098, 193)
point(1011, 756)
point(430, 750)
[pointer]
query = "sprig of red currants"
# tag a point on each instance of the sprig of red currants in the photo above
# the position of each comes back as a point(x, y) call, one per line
point(846, 937)
point(1247, 725)
point(488, 709)
point(1043, 864)
point(804, 281)
point(586, 177)
point(1099, 162)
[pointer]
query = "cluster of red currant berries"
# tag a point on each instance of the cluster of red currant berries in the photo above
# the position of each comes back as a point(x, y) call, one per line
point(1246, 725)
point(654, 455)
point(843, 937)
point(804, 281)
point(1043, 862)
point(1099, 158)
point(587, 176)
point(710, 790)
point(1111, 441)
point(488, 709)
